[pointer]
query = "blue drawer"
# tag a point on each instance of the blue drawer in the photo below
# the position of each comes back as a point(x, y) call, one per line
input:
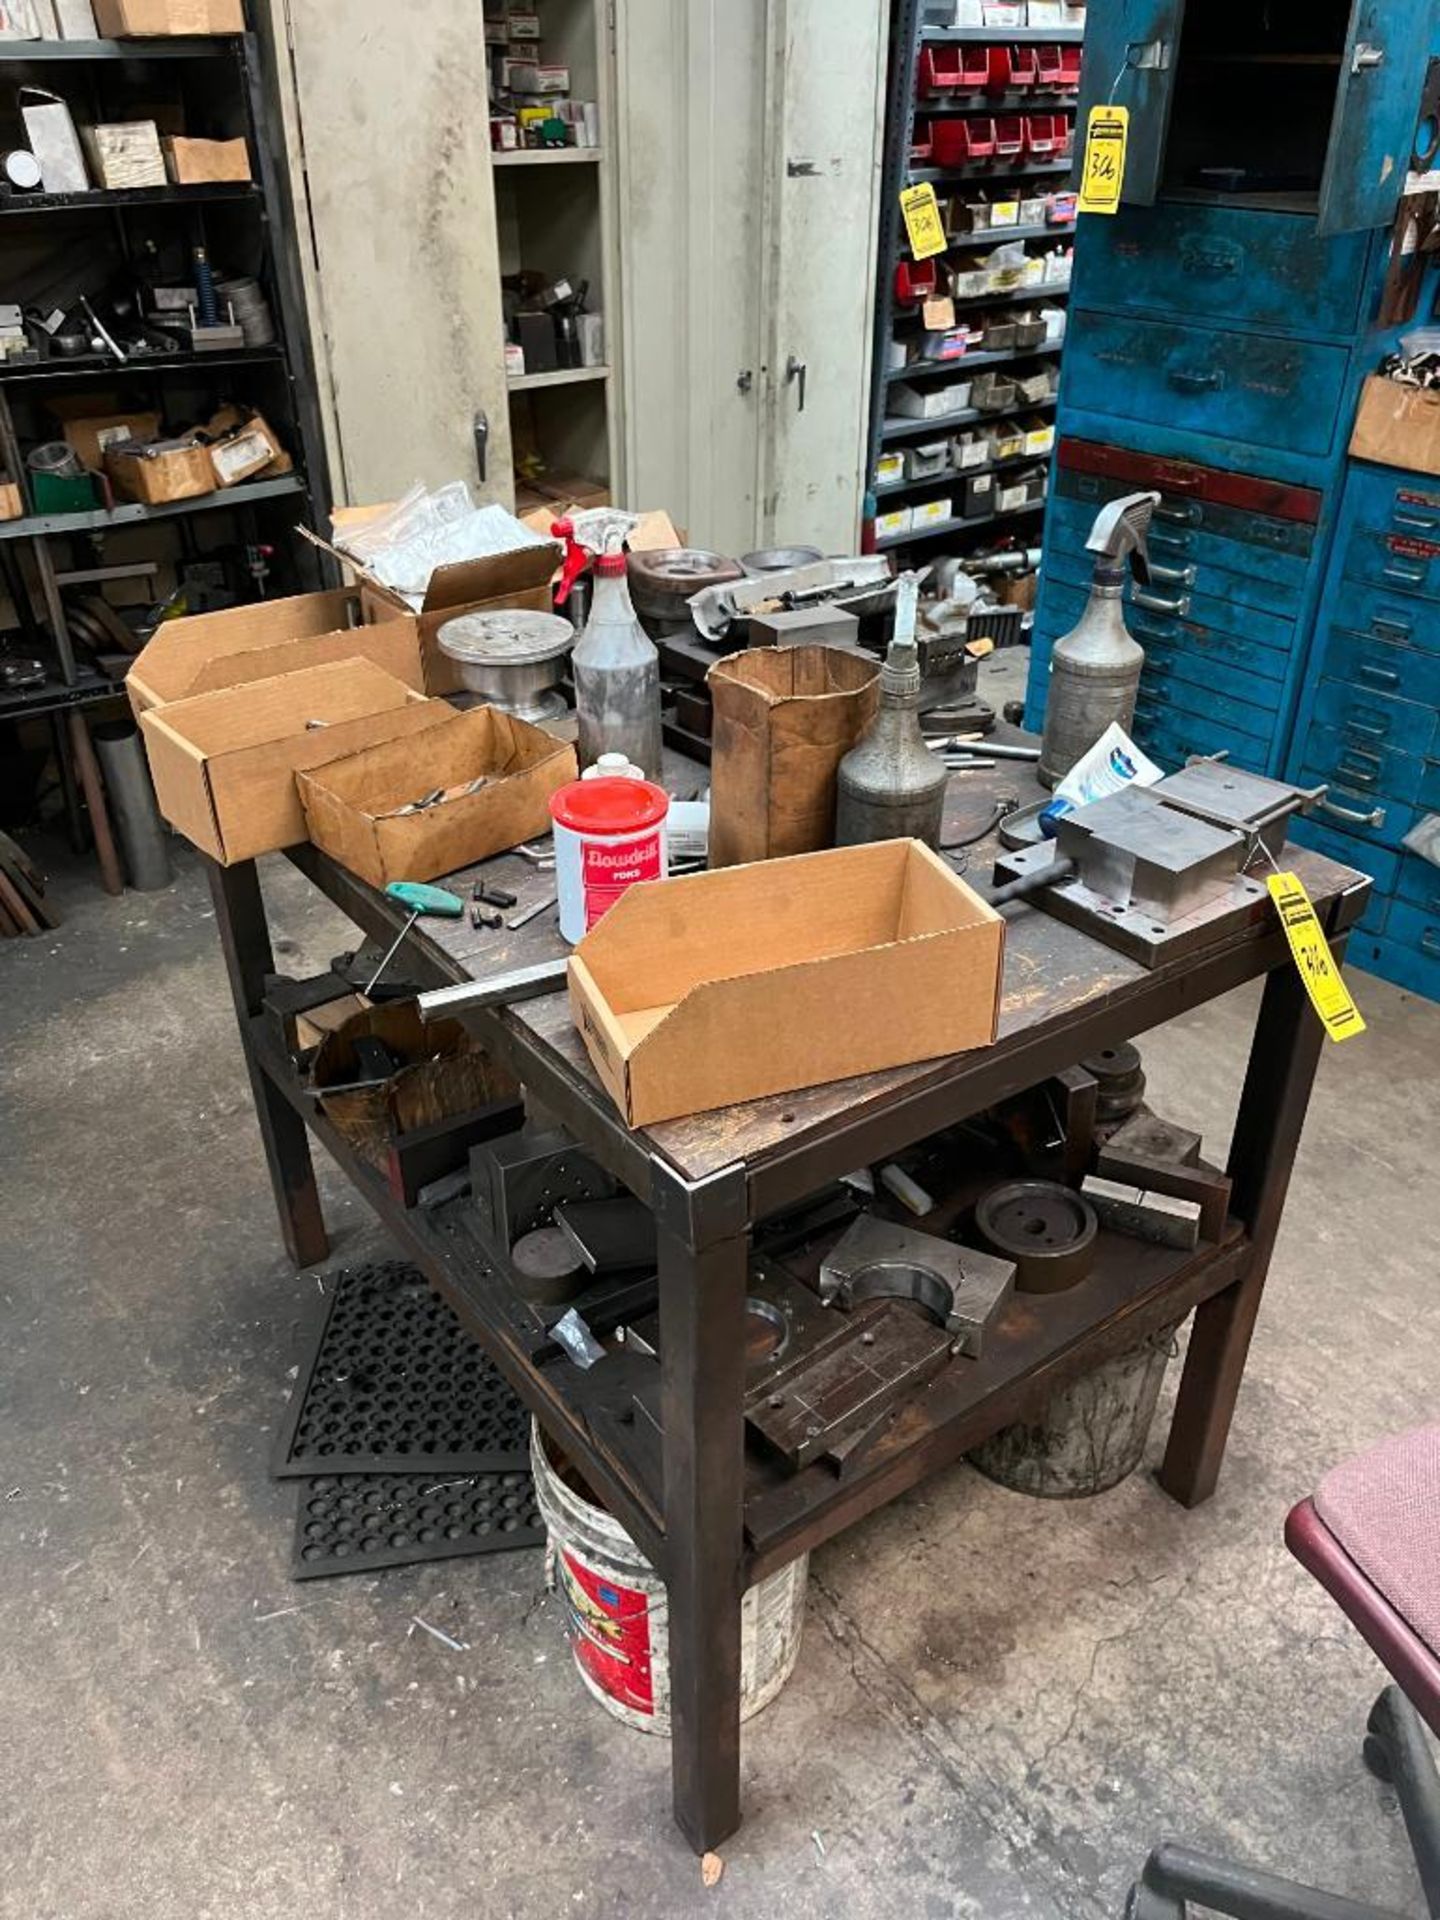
point(1408, 966)
point(1374, 720)
point(1359, 812)
point(1383, 500)
point(1254, 389)
point(1281, 548)
point(1182, 558)
point(1223, 263)
point(1336, 844)
point(1165, 601)
point(1254, 673)
point(1383, 614)
point(1162, 687)
point(1381, 772)
point(1430, 788)
point(1419, 884)
point(1415, 928)
point(1401, 563)
point(1372, 666)
point(1172, 738)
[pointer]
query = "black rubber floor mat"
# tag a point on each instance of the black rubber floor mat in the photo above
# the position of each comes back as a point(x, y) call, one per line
point(358, 1522)
point(396, 1385)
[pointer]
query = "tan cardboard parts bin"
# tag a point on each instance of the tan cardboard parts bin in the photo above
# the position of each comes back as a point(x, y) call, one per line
point(194, 163)
point(224, 764)
point(130, 19)
point(177, 473)
point(1398, 426)
point(90, 434)
point(350, 804)
point(212, 650)
point(12, 501)
point(518, 579)
point(698, 993)
point(249, 451)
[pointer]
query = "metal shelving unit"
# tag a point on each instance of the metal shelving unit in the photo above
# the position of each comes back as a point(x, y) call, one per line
point(905, 111)
point(104, 199)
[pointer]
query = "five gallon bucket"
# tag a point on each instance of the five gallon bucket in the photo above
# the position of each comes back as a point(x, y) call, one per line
point(618, 1614)
point(1091, 1436)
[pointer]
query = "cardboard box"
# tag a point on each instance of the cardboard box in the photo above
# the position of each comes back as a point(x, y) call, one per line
point(350, 803)
point(125, 154)
point(208, 651)
point(91, 434)
point(193, 163)
point(155, 475)
point(129, 19)
point(224, 764)
point(1398, 426)
point(518, 579)
point(12, 501)
point(729, 986)
point(245, 454)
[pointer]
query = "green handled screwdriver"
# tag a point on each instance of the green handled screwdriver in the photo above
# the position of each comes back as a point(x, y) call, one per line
point(420, 900)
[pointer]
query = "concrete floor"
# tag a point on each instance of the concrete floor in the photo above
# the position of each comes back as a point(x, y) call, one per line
point(999, 1705)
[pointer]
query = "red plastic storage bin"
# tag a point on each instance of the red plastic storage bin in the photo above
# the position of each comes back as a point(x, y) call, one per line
point(922, 146)
point(1070, 67)
point(942, 70)
point(1065, 146)
point(1044, 133)
point(915, 282)
point(1012, 69)
point(1049, 68)
point(957, 142)
point(1009, 135)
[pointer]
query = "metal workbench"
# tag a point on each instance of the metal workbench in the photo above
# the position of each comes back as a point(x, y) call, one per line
point(712, 1517)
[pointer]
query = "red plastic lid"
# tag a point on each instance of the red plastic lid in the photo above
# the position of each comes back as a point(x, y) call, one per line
point(609, 805)
point(610, 566)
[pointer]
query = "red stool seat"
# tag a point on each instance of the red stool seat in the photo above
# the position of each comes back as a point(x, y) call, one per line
point(1384, 1509)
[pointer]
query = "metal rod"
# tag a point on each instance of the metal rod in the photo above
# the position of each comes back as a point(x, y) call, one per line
point(500, 990)
point(392, 953)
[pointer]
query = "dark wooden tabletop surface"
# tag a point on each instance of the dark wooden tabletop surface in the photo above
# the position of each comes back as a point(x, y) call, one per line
point(1052, 972)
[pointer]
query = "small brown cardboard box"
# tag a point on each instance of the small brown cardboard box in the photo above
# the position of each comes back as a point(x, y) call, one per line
point(194, 163)
point(248, 452)
point(1398, 426)
point(350, 804)
point(12, 501)
point(174, 473)
point(128, 19)
point(734, 985)
point(224, 763)
point(518, 579)
point(212, 650)
point(91, 434)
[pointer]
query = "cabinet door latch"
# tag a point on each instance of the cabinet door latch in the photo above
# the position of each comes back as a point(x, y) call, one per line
point(745, 380)
point(797, 370)
point(1367, 57)
point(1148, 56)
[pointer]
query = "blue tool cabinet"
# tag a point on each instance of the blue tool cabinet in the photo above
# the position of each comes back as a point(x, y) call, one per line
point(1221, 327)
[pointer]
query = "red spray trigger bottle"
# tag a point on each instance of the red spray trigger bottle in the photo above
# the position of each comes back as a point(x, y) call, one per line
point(576, 560)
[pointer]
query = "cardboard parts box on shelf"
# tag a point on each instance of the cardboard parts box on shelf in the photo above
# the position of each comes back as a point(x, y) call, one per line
point(723, 987)
point(353, 805)
point(224, 763)
point(1398, 426)
point(207, 651)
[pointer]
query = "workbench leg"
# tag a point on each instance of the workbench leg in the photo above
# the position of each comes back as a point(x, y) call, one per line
point(245, 938)
point(1283, 1059)
point(702, 1351)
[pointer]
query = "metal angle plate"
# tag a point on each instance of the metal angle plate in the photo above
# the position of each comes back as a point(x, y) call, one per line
point(394, 1384)
point(360, 1522)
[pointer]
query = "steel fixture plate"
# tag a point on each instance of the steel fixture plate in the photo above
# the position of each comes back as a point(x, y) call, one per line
point(959, 1288)
point(1248, 803)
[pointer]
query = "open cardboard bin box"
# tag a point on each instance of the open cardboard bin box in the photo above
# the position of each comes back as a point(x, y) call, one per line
point(224, 763)
point(207, 651)
point(1398, 426)
point(350, 803)
point(729, 986)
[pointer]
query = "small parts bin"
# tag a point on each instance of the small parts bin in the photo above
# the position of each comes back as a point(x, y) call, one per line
point(1012, 69)
point(957, 142)
point(915, 282)
point(957, 69)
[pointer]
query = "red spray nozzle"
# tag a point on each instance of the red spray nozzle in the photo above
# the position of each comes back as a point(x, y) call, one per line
point(576, 559)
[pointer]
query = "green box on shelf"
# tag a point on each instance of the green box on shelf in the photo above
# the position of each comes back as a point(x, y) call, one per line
point(62, 493)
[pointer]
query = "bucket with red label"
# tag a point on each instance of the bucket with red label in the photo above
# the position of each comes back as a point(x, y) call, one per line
point(609, 835)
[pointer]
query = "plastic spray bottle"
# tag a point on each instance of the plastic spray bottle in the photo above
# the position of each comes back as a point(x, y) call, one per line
point(617, 672)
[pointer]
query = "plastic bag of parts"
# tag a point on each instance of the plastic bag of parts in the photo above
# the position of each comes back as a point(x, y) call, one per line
point(425, 530)
point(1114, 762)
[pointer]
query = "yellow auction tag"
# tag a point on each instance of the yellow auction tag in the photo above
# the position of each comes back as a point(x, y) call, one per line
point(1313, 957)
point(1103, 175)
point(923, 223)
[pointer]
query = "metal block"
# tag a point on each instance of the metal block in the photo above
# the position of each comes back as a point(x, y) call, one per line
point(518, 1182)
point(1206, 1185)
point(960, 1288)
point(1248, 803)
point(805, 627)
point(1147, 1135)
point(1150, 859)
point(1156, 1217)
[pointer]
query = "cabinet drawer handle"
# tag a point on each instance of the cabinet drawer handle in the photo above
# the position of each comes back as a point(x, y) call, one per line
point(1378, 676)
point(1157, 603)
point(1407, 576)
point(1174, 576)
point(1157, 636)
point(1196, 380)
point(1171, 542)
point(1183, 513)
point(1415, 522)
point(1430, 942)
point(1386, 626)
point(1367, 729)
point(1351, 816)
point(1353, 769)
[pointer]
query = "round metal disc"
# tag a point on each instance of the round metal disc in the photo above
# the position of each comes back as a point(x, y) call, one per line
point(510, 638)
point(1048, 1231)
point(779, 559)
point(547, 1267)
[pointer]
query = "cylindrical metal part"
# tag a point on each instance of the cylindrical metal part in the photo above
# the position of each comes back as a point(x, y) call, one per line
point(132, 801)
point(1091, 1436)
